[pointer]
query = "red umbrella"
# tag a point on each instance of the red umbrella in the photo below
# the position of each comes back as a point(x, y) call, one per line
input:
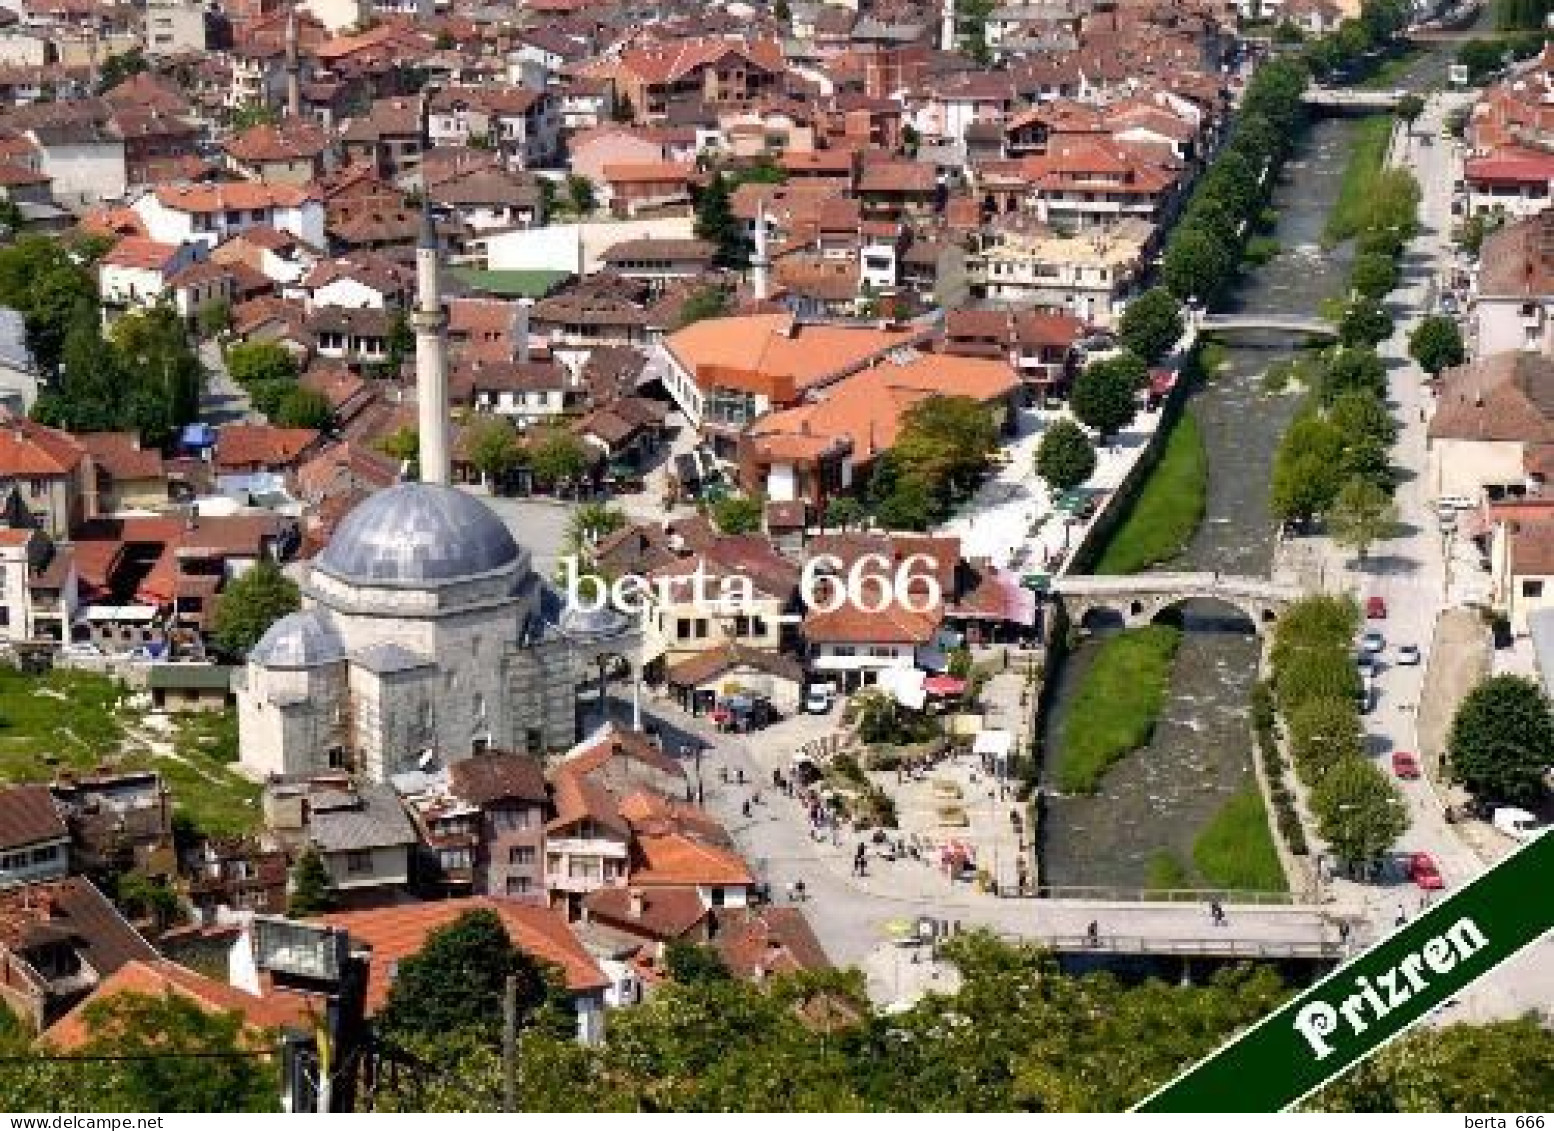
point(944, 685)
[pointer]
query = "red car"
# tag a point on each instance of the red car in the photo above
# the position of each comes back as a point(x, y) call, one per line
point(1405, 765)
point(1424, 873)
point(1375, 609)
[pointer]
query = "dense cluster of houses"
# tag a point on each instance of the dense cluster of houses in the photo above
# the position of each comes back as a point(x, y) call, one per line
point(268, 172)
point(1491, 435)
point(594, 862)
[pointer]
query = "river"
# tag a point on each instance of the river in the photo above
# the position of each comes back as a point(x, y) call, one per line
point(1158, 799)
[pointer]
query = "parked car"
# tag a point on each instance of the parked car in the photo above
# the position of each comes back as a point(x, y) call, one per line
point(1516, 823)
point(1376, 609)
point(818, 699)
point(1408, 655)
point(1405, 765)
point(1373, 643)
point(1424, 873)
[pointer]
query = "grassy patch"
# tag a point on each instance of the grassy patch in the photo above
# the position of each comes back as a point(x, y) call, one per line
point(1166, 872)
point(1368, 151)
point(1235, 849)
point(65, 719)
point(1212, 357)
point(1115, 708)
point(1259, 250)
point(1166, 512)
point(74, 720)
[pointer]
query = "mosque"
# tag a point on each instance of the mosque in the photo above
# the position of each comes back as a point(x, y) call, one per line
point(425, 636)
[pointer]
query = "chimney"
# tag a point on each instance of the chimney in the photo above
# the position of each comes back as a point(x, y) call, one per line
point(635, 904)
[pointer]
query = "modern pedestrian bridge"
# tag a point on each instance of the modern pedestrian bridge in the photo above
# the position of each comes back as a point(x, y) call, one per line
point(1140, 598)
point(1252, 323)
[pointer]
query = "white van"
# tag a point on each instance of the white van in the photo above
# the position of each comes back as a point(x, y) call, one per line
point(1517, 823)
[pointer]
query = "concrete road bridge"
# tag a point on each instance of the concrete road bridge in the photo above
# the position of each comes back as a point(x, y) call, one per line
point(1139, 598)
point(1352, 99)
point(1259, 323)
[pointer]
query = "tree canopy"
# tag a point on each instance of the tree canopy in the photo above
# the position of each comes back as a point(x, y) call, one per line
point(457, 981)
point(1436, 344)
point(1502, 740)
point(1066, 457)
point(1151, 324)
point(1359, 811)
point(250, 604)
point(312, 891)
point(1105, 395)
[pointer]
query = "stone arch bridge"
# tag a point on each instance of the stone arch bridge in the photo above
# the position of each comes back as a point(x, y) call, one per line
point(1139, 598)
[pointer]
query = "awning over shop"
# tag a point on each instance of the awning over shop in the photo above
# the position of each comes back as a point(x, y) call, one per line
point(944, 685)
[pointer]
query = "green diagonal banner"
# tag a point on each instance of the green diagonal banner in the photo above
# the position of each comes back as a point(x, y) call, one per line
point(1376, 995)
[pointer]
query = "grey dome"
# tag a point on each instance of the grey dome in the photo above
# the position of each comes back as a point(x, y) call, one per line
point(416, 534)
point(298, 640)
point(593, 624)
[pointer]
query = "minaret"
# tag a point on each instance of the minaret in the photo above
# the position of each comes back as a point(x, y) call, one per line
point(947, 27)
point(431, 353)
point(293, 67)
point(760, 262)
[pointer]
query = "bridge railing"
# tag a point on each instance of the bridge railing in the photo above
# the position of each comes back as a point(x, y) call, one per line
point(1226, 897)
point(1208, 947)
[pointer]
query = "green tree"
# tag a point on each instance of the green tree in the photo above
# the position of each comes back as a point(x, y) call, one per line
point(1352, 369)
point(143, 897)
point(1373, 276)
point(214, 318)
point(493, 447)
point(312, 891)
point(151, 1031)
point(1365, 323)
point(457, 981)
point(703, 302)
point(1151, 324)
point(558, 457)
point(1324, 732)
point(580, 194)
point(717, 224)
point(1307, 674)
point(251, 362)
point(590, 524)
point(400, 343)
point(403, 444)
point(1361, 416)
point(844, 512)
point(119, 66)
point(249, 605)
point(1304, 486)
point(943, 442)
point(690, 963)
point(738, 514)
point(900, 502)
point(1198, 264)
point(1508, 1065)
point(1361, 516)
point(1436, 344)
point(1066, 457)
point(1359, 812)
point(1408, 109)
point(782, 12)
point(1502, 740)
point(305, 408)
point(1105, 395)
point(254, 114)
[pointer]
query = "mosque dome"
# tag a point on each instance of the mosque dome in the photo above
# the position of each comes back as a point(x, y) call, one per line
point(298, 640)
point(418, 534)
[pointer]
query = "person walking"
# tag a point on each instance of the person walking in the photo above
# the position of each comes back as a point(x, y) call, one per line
point(1093, 933)
point(1216, 913)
